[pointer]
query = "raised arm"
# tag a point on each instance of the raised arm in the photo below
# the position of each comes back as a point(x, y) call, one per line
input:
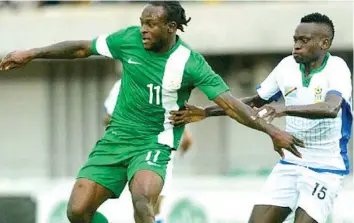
point(105, 45)
point(62, 50)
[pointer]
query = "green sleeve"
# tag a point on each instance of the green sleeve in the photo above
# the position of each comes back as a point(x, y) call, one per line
point(111, 45)
point(204, 78)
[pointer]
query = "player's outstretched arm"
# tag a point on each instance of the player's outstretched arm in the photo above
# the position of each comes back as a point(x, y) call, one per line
point(327, 109)
point(245, 115)
point(252, 101)
point(192, 113)
point(62, 50)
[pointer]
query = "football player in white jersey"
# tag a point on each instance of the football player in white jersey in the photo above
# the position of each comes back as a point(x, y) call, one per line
point(109, 105)
point(317, 90)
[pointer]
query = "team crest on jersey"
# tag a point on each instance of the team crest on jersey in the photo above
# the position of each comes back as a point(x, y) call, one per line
point(318, 94)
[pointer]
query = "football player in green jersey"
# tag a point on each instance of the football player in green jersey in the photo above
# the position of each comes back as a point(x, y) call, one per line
point(159, 73)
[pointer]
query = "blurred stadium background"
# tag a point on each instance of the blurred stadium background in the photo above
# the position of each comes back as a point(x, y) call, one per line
point(52, 112)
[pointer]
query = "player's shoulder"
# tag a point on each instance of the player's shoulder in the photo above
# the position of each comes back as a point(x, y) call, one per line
point(130, 30)
point(133, 30)
point(337, 63)
point(128, 34)
point(285, 65)
point(194, 56)
point(288, 62)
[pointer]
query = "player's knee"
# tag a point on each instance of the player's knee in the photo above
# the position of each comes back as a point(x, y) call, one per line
point(77, 214)
point(143, 204)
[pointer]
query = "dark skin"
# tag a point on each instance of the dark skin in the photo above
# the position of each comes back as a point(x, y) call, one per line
point(159, 35)
point(311, 42)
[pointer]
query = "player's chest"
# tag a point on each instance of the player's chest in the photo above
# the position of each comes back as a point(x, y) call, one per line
point(299, 89)
point(143, 70)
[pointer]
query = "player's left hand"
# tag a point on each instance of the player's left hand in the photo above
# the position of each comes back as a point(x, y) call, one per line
point(190, 114)
point(284, 140)
point(269, 112)
point(15, 59)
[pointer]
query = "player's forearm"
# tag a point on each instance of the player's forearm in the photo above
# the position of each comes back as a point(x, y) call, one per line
point(313, 111)
point(63, 50)
point(253, 101)
point(244, 114)
point(214, 110)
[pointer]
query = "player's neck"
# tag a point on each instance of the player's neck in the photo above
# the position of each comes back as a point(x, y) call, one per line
point(314, 64)
point(169, 44)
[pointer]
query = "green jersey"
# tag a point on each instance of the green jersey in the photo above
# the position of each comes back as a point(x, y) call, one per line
point(153, 84)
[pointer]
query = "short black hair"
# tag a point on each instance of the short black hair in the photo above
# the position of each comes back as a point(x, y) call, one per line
point(174, 12)
point(320, 19)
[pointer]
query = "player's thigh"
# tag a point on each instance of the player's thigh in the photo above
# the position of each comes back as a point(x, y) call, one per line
point(147, 171)
point(302, 217)
point(106, 169)
point(280, 188)
point(269, 213)
point(278, 196)
point(317, 193)
point(86, 197)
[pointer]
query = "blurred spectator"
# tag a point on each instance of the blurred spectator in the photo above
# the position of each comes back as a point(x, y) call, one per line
point(8, 4)
point(48, 3)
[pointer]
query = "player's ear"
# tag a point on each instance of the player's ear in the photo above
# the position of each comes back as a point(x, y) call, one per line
point(172, 27)
point(325, 43)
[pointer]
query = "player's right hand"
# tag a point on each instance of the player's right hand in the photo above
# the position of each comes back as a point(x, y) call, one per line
point(189, 114)
point(284, 140)
point(15, 59)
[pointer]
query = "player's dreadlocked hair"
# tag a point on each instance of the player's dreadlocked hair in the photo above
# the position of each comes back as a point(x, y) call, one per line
point(321, 19)
point(174, 12)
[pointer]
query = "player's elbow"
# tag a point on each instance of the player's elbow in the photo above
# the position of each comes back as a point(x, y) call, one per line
point(82, 53)
point(332, 111)
point(84, 49)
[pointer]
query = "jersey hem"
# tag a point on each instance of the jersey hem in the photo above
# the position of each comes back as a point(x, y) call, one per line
point(318, 170)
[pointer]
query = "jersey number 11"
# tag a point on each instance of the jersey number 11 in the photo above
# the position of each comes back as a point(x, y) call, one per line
point(157, 90)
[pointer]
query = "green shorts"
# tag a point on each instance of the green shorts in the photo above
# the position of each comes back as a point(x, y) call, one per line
point(113, 164)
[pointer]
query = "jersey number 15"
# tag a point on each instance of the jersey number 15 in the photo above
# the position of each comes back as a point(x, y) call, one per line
point(154, 90)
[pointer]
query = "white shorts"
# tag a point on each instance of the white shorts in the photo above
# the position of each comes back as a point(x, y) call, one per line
point(296, 186)
point(168, 177)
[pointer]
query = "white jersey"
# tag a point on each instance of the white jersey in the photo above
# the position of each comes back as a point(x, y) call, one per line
point(111, 100)
point(325, 139)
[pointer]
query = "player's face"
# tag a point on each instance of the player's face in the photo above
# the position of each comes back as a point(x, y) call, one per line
point(154, 30)
point(307, 47)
